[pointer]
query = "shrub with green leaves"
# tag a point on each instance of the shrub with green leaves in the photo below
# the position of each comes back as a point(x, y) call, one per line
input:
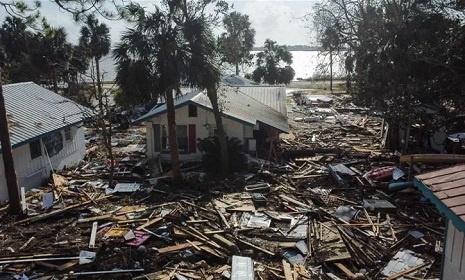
point(212, 155)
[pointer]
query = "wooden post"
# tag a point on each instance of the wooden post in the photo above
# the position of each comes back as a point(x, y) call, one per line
point(7, 155)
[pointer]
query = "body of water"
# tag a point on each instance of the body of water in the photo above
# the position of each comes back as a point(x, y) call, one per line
point(306, 64)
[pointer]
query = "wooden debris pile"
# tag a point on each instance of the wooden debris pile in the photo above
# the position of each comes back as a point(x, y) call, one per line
point(322, 210)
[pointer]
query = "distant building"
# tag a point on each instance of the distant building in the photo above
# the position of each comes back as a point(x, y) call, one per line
point(45, 132)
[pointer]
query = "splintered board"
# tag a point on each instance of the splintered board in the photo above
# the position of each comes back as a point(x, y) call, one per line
point(330, 247)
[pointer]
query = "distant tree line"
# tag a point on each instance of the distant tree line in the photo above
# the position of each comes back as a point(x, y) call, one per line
point(294, 48)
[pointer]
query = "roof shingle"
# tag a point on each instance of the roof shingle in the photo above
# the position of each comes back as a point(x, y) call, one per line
point(446, 189)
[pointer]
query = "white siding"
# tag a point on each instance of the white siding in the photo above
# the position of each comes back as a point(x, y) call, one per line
point(31, 173)
point(233, 129)
point(454, 255)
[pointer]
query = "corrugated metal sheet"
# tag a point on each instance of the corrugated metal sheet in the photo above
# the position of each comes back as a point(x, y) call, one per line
point(446, 189)
point(274, 97)
point(242, 268)
point(270, 95)
point(235, 104)
point(34, 111)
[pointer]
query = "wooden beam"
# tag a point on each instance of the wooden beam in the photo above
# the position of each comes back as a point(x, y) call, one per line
point(293, 201)
point(287, 271)
point(179, 247)
point(149, 223)
point(255, 247)
point(347, 271)
point(433, 158)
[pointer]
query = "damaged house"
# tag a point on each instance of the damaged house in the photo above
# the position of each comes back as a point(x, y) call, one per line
point(445, 188)
point(45, 131)
point(253, 114)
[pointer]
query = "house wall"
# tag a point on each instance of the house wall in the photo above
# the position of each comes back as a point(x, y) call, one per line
point(454, 254)
point(233, 129)
point(31, 173)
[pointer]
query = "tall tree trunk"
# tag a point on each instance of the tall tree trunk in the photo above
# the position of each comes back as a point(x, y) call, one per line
point(237, 68)
point(172, 136)
point(7, 155)
point(213, 96)
point(105, 133)
point(331, 70)
point(55, 82)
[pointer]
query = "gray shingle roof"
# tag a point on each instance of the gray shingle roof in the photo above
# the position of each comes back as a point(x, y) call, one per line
point(34, 111)
point(237, 105)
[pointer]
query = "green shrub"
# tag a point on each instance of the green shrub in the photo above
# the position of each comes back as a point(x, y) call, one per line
point(212, 154)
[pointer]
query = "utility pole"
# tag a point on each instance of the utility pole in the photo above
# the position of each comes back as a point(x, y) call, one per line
point(7, 155)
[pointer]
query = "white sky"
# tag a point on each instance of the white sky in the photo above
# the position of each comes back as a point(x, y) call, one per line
point(279, 20)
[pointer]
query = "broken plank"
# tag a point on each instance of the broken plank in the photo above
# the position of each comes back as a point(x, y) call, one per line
point(149, 223)
point(96, 218)
point(296, 202)
point(222, 268)
point(223, 219)
point(27, 243)
point(344, 269)
point(58, 211)
point(133, 221)
point(255, 247)
point(287, 271)
point(409, 270)
point(93, 234)
point(178, 247)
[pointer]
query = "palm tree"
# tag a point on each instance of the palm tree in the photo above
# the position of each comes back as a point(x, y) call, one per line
point(154, 42)
point(176, 47)
point(203, 73)
point(54, 53)
point(95, 40)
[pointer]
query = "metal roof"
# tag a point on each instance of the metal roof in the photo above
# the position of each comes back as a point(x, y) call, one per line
point(446, 189)
point(34, 111)
point(272, 96)
point(236, 105)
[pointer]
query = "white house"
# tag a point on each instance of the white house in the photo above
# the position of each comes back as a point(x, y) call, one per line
point(45, 132)
point(243, 117)
point(446, 189)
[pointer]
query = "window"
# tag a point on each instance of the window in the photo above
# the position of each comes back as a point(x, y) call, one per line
point(68, 134)
point(192, 110)
point(183, 140)
point(53, 143)
point(34, 148)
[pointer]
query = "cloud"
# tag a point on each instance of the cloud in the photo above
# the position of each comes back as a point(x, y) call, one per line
point(278, 20)
point(281, 21)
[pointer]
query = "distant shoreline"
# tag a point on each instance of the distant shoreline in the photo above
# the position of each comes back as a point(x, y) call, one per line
point(295, 48)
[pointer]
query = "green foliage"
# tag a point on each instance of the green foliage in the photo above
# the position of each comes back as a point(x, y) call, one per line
point(135, 86)
point(167, 48)
point(274, 64)
point(95, 38)
point(19, 46)
point(212, 154)
point(401, 55)
point(238, 40)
